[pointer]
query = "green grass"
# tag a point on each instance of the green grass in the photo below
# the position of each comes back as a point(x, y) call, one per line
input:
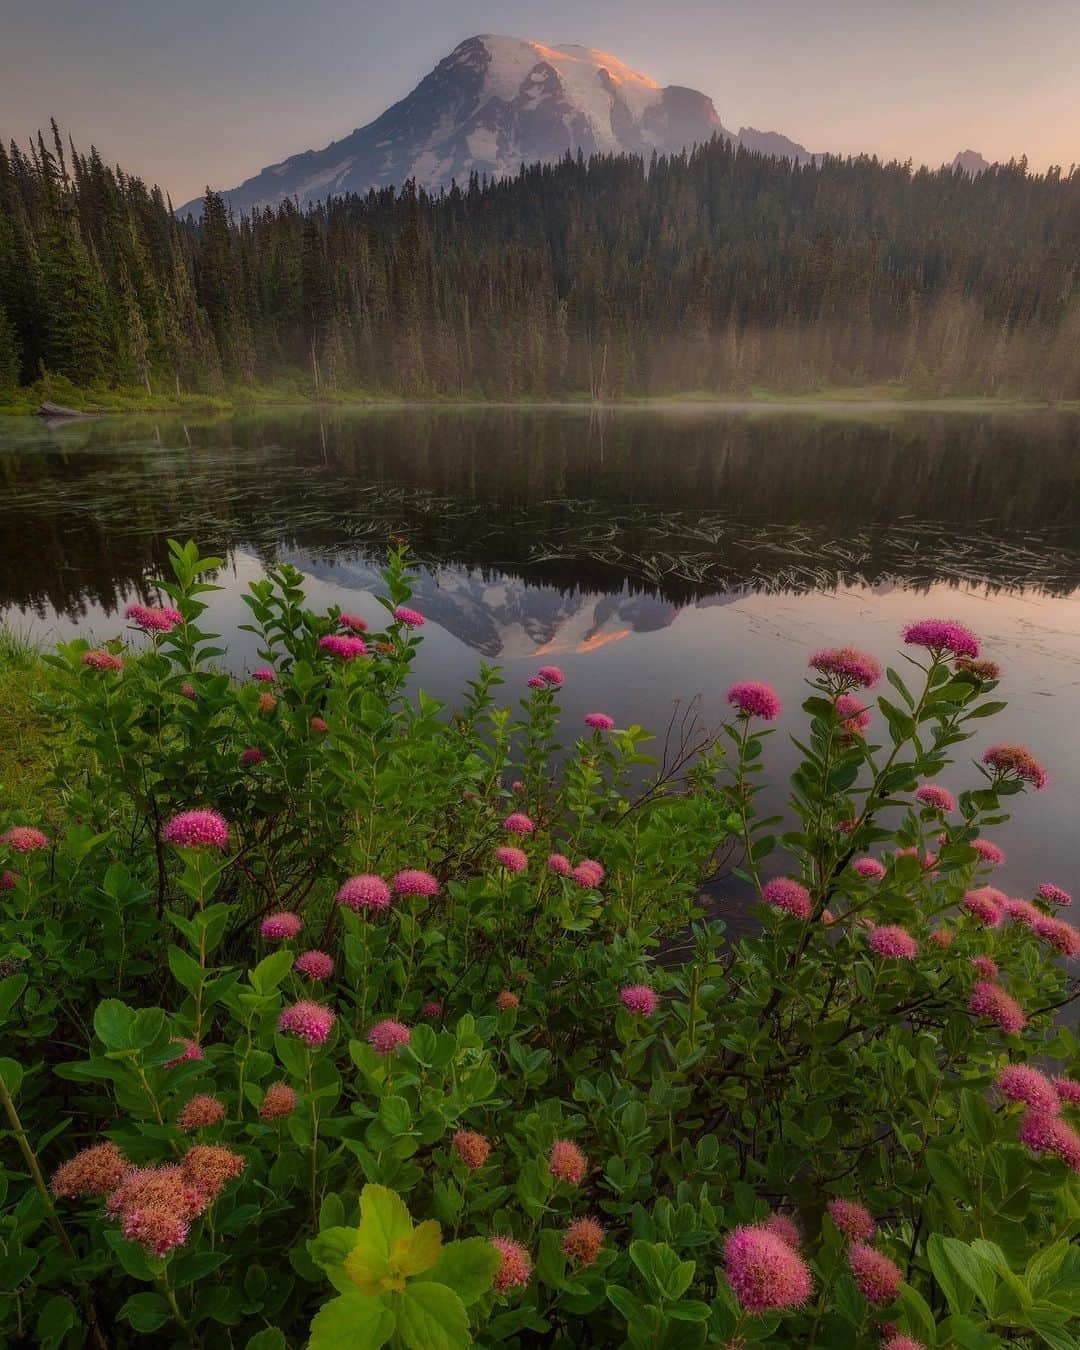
point(25, 757)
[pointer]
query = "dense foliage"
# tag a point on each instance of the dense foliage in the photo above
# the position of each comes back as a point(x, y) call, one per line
point(713, 270)
point(330, 1011)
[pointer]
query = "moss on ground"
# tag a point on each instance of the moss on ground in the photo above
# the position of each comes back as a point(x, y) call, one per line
point(25, 754)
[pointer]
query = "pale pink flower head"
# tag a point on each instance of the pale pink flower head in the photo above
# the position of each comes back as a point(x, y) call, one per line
point(8, 880)
point(588, 873)
point(559, 862)
point(412, 881)
point(599, 722)
point(344, 648)
point(1023, 1083)
point(315, 965)
point(192, 1050)
point(1050, 1134)
point(409, 617)
point(353, 623)
point(279, 1102)
point(753, 698)
point(512, 859)
point(1016, 761)
point(869, 868)
point(551, 675)
point(188, 690)
point(102, 659)
point(942, 937)
point(1053, 895)
point(196, 829)
point(515, 1268)
point(892, 940)
point(785, 1229)
point(1023, 911)
point(154, 618)
point(93, 1171)
point(582, 1241)
point(251, 756)
point(318, 724)
point(517, 785)
point(518, 823)
point(876, 1277)
point(506, 1001)
point(364, 892)
point(566, 1162)
point(852, 1219)
point(200, 1111)
point(854, 715)
point(846, 667)
point(307, 1021)
point(935, 797)
point(985, 967)
point(763, 1271)
point(901, 1342)
point(472, 1148)
point(639, 999)
point(992, 1002)
point(535, 682)
point(385, 1036)
point(208, 1167)
point(988, 852)
point(167, 1188)
point(942, 636)
point(264, 675)
point(282, 926)
point(24, 839)
point(1062, 936)
point(432, 1009)
point(1068, 1091)
point(784, 893)
point(986, 904)
point(154, 1227)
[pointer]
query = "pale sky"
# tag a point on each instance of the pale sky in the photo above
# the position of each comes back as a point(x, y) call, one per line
point(211, 91)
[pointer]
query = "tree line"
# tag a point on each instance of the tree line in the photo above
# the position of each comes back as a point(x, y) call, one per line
point(714, 270)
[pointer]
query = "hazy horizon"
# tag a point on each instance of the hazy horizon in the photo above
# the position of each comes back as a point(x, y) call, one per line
point(195, 96)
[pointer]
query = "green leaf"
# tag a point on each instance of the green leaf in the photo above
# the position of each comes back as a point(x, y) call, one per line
point(384, 1217)
point(185, 969)
point(957, 1292)
point(146, 1312)
point(977, 1117)
point(10, 989)
point(269, 1339)
point(351, 1322)
point(55, 1320)
point(270, 971)
point(11, 1075)
point(112, 1023)
point(467, 1267)
point(432, 1317)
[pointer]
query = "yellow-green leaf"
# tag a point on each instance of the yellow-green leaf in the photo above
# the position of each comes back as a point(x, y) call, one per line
point(432, 1317)
point(420, 1250)
point(351, 1322)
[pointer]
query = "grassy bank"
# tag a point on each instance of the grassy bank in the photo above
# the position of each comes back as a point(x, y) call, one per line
point(25, 756)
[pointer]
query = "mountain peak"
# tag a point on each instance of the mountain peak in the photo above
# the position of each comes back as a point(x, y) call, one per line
point(970, 161)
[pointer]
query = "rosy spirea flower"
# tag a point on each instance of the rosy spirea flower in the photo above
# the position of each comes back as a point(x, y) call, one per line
point(318, 724)
point(518, 823)
point(344, 648)
point(942, 937)
point(409, 617)
point(8, 881)
point(166, 1187)
point(264, 675)
point(559, 862)
point(639, 999)
point(588, 873)
point(310, 1022)
point(848, 666)
point(364, 892)
point(1023, 911)
point(157, 1229)
point(752, 698)
point(92, 1171)
point(854, 715)
point(102, 659)
point(551, 675)
point(282, 926)
point(599, 722)
point(988, 852)
point(1062, 936)
point(876, 1277)
point(517, 785)
point(902, 1342)
point(412, 881)
point(512, 859)
point(507, 1001)
point(992, 1002)
point(566, 1162)
point(982, 670)
point(196, 829)
point(1068, 1091)
point(267, 703)
point(208, 1167)
point(785, 1229)
point(535, 682)
point(784, 893)
point(1016, 761)
point(432, 1009)
point(986, 967)
point(1053, 895)
point(1050, 1134)
point(937, 798)
point(1023, 1083)
point(515, 1267)
point(200, 1111)
point(986, 904)
point(927, 862)
point(941, 636)
point(353, 623)
point(852, 1219)
point(472, 1148)
point(582, 1241)
point(892, 940)
point(315, 965)
point(279, 1102)
point(192, 1050)
point(188, 690)
point(252, 756)
point(763, 1271)
point(154, 618)
point(385, 1036)
point(24, 839)
point(869, 868)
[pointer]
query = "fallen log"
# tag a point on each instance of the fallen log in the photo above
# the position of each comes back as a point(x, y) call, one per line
point(56, 410)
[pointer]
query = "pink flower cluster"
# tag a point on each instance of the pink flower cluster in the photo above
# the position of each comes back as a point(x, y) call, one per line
point(853, 714)
point(196, 829)
point(308, 1022)
point(988, 852)
point(385, 1036)
point(411, 618)
point(892, 940)
point(1050, 1134)
point(639, 999)
point(992, 1002)
point(344, 648)
point(353, 623)
point(413, 881)
point(1053, 895)
point(515, 1268)
point(364, 892)
point(282, 926)
point(599, 722)
point(154, 618)
point(24, 839)
point(985, 967)
point(752, 698)
point(784, 893)
point(876, 1277)
point(551, 675)
point(869, 868)
point(513, 859)
point(264, 675)
point(252, 756)
point(102, 659)
point(852, 1219)
point(566, 1162)
point(941, 636)
point(1023, 1083)
point(1016, 761)
point(315, 965)
point(985, 903)
point(935, 797)
point(764, 1271)
point(518, 823)
point(847, 667)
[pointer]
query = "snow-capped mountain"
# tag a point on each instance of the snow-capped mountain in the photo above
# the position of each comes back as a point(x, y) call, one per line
point(493, 104)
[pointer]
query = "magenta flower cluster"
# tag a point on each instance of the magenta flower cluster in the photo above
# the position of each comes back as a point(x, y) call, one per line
point(196, 829)
point(752, 698)
point(846, 667)
point(942, 636)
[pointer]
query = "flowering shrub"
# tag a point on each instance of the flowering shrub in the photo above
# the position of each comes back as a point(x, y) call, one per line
point(300, 1046)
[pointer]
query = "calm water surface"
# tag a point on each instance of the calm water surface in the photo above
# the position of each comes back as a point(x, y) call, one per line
point(655, 555)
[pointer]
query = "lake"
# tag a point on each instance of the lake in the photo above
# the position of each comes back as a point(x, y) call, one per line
point(655, 554)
